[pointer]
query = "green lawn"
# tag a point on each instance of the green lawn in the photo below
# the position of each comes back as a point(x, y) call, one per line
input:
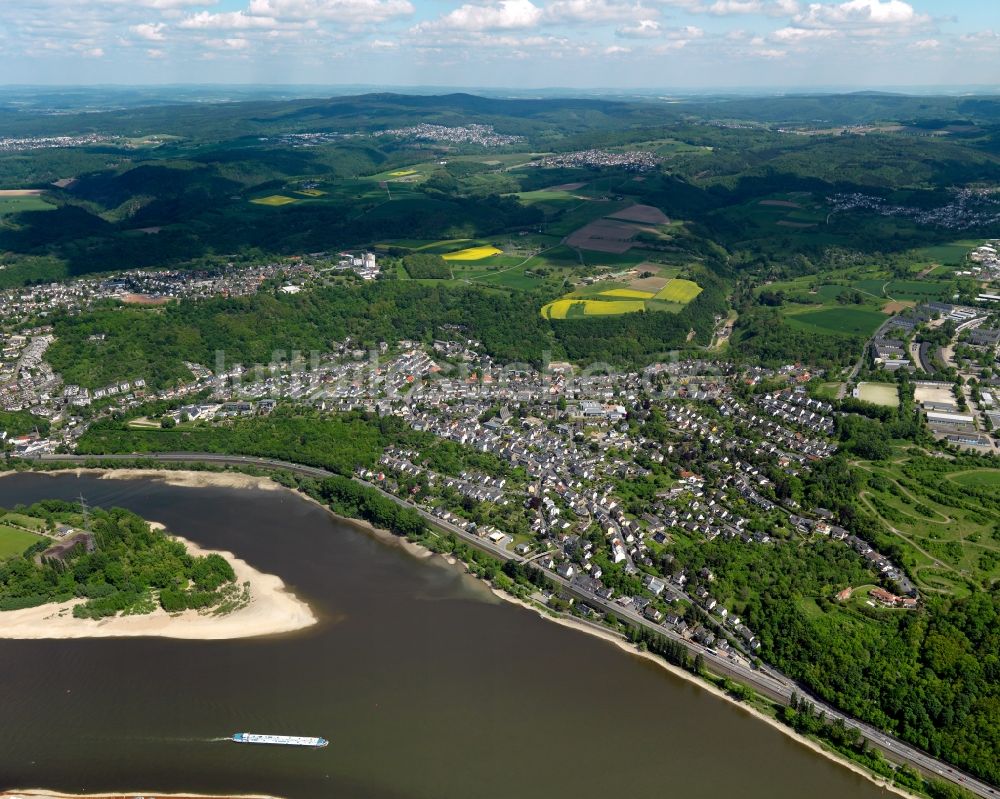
point(13, 541)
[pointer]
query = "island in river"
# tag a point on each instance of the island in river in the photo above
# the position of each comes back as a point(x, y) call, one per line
point(109, 573)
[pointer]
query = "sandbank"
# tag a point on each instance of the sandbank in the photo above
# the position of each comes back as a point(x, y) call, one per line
point(272, 609)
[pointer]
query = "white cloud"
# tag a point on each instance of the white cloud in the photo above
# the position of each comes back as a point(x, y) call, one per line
point(505, 15)
point(792, 34)
point(167, 5)
point(346, 11)
point(617, 50)
point(861, 14)
point(687, 32)
point(594, 11)
point(226, 20)
point(644, 29)
point(150, 31)
point(926, 44)
point(233, 43)
point(727, 7)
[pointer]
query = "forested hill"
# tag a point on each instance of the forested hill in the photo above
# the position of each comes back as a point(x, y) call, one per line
point(156, 344)
point(569, 114)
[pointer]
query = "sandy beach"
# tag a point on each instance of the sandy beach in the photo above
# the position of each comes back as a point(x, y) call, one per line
point(272, 609)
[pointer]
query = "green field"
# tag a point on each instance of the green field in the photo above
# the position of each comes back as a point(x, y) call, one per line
point(17, 205)
point(920, 290)
point(13, 541)
point(952, 254)
point(845, 320)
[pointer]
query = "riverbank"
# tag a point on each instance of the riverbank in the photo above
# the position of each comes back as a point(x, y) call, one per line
point(270, 610)
point(624, 645)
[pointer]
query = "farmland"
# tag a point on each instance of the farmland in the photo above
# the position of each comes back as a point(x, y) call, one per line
point(567, 308)
point(21, 203)
point(472, 254)
point(611, 299)
point(844, 320)
point(274, 200)
point(679, 290)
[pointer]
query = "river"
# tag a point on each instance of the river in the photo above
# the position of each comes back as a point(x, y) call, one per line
point(427, 686)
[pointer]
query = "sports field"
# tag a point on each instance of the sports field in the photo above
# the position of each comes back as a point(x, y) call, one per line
point(885, 394)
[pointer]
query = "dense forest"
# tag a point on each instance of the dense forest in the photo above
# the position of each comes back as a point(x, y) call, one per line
point(339, 443)
point(931, 678)
point(153, 344)
point(132, 569)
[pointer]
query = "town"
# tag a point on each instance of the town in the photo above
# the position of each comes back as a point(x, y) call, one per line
point(562, 450)
point(482, 135)
point(634, 161)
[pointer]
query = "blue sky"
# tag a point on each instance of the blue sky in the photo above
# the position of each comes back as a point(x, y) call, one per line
point(680, 44)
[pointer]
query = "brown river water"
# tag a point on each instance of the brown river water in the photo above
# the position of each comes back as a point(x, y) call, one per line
point(427, 686)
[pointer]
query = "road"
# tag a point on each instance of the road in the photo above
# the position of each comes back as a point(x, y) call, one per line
point(765, 680)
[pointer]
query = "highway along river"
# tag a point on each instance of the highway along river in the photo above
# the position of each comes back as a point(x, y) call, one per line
point(427, 686)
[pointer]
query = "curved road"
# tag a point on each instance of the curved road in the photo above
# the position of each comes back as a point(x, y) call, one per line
point(765, 680)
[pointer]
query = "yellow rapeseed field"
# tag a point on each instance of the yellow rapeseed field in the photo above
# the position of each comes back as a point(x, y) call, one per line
point(679, 290)
point(274, 199)
point(633, 293)
point(560, 309)
point(472, 254)
point(311, 192)
point(612, 308)
point(557, 309)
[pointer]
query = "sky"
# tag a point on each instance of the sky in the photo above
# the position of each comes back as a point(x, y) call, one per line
point(621, 44)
